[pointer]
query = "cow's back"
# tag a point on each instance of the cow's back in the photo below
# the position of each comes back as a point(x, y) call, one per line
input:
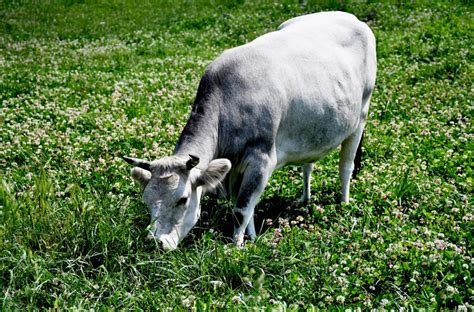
point(296, 92)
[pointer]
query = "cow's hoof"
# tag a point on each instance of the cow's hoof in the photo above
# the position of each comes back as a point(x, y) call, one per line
point(345, 201)
point(303, 200)
point(239, 240)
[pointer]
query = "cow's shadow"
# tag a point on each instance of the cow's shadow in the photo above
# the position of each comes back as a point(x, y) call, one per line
point(217, 215)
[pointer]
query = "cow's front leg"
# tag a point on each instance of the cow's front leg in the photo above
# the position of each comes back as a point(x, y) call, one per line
point(250, 230)
point(254, 181)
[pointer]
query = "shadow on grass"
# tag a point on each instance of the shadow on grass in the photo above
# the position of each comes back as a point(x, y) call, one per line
point(216, 214)
point(219, 216)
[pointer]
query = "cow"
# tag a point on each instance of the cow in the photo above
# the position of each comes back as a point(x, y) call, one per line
point(288, 97)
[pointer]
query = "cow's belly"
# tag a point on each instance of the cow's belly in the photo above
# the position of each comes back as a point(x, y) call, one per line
point(303, 150)
point(296, 152)
point(311, 130)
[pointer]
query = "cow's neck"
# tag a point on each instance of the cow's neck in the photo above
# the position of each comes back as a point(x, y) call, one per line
point(199, 136)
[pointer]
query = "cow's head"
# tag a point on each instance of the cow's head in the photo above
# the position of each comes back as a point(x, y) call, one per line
point(172, 190)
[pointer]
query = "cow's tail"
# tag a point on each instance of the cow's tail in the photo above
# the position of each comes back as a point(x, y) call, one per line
point(358, 158)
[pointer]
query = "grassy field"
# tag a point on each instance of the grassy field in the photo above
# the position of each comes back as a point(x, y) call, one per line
point(82, 84)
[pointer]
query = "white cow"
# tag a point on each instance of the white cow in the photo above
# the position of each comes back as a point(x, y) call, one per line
point(288, 97)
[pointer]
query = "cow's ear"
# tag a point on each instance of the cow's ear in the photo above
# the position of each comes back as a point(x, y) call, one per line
point(140, 175)
point(215, 173)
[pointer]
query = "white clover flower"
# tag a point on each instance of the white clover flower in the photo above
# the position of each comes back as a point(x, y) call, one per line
point(188, 301)
point(462, 308)
point(340, 299)
point(418, 244)
point(451, 289)
point(440, 244)
point(468, 217)
point(384, 302)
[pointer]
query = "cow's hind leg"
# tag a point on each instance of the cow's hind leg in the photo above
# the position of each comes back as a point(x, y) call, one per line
point(307, 169)
point(346, 161)
point(254, 181)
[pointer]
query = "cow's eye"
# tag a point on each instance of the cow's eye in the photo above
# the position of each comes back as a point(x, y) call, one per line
point(182, 201)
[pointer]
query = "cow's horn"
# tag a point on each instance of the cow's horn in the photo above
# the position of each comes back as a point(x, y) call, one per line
point(141, 163)
point(192, 162)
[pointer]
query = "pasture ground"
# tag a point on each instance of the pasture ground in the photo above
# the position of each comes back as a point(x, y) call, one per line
point(83, 83)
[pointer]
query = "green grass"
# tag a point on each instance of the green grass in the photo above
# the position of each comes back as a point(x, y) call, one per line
point(82, 84)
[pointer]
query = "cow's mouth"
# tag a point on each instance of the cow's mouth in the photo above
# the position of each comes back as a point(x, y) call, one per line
point(165, 241)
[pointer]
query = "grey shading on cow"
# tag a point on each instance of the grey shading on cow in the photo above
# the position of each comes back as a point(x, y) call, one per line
point(288, 97)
